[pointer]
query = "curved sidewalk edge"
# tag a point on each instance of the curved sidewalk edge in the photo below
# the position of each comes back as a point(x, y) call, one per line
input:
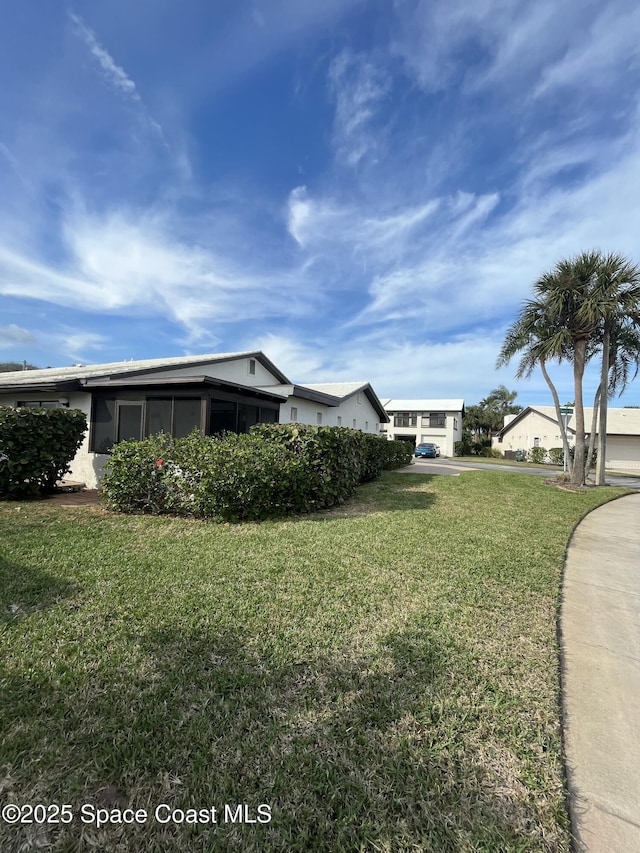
point(600, 642)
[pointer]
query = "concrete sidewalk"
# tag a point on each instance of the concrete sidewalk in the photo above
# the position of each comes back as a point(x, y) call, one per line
point(600, 637)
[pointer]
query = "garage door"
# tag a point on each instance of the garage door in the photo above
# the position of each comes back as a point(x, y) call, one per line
point(623, 452)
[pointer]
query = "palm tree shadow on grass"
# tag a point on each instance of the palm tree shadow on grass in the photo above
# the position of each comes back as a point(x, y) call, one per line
point(352, 752)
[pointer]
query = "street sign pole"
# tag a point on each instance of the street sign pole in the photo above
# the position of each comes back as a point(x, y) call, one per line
point(566, 414)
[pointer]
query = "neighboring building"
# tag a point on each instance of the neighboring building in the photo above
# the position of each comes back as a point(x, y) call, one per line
point(438, 421)
point(536, 426)
point(228, 391)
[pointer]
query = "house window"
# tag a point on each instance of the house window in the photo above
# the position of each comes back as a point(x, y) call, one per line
point(437, 419)
point(247, 417)
point(366, 425)
point(405, 419)
point(354, 423)
point(319, 418)
point(294, 414)
point(455, 424)
point(252, 366)
point(536, 442)
point(339, 420)
point(177, 416)
point(128, 420)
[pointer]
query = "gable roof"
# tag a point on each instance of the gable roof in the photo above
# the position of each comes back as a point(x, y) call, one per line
point(82, 374)
point(344, 390)
point(619, 421)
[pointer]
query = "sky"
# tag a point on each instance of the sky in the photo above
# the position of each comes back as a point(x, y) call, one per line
point(366, 191)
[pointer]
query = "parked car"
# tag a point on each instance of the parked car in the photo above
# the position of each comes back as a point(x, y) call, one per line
point(427, 450)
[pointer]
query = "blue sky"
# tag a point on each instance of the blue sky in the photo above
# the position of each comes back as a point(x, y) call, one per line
point(363, 190)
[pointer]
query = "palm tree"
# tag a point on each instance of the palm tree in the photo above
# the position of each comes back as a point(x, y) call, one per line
point(566, 292)
point(614, 301)
point(583, 304)
point(623, 358)
point(539, 341)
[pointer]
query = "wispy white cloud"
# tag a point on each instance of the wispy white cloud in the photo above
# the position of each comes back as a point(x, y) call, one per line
point(15, 166)
point(358, 86)
point(299, 360)
point(610, 43)
point(121, 263)
point(12, 334)
point(77, 344)
point(113, 73)
point(326, 223)
point(534, 48)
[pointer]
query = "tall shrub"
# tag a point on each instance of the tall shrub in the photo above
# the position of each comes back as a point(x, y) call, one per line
point(274, 470)
point(36, 448)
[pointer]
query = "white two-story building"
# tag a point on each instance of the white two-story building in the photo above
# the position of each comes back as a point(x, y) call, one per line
point(437, 421)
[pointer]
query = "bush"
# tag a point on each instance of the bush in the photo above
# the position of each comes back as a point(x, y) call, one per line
point(395, 454)
point(133, 479)
point(36, 448)
point(274, 470)
point(537, 455)
point(556, 456)
point(491, 453)
point(231, 476)
point(335, 458)
point(463, 447)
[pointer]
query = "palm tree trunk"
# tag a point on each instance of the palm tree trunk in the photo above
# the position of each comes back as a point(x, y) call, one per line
point(556, 403)
point(594, 429)
point(579, 360)
point(602, 432)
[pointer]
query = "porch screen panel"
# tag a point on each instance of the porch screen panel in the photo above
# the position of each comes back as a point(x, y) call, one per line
point(103, 425)
point(247, 417)
point(223, 417)
point(129, 421)
point(158, 416)
point(268, 416)
point(186, 415)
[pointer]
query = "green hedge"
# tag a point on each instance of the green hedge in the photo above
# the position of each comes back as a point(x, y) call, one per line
point(537, 455)
point(36, 448)
point(556, 455)
point(274, 470)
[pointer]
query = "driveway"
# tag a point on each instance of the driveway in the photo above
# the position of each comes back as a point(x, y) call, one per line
point(453, 468)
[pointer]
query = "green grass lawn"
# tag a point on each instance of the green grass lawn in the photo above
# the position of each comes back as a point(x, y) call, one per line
point(384, 676)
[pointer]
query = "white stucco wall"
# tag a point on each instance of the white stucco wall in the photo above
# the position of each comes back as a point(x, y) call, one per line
point(524, 433)
point(365, 416)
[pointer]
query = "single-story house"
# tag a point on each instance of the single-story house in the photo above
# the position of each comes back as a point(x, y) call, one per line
point(537, 426)
point(227, 391)
point(437, 421)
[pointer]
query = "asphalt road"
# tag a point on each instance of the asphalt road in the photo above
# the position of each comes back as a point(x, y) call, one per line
point(452, 468)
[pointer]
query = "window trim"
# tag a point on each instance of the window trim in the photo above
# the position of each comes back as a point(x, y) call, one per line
point(405, 420)
point(121, 404)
